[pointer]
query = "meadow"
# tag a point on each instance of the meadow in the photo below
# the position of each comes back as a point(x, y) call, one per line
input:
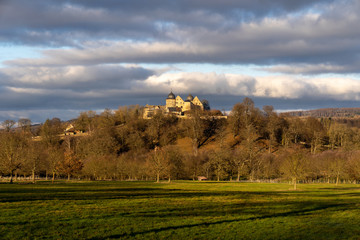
point(178, 210)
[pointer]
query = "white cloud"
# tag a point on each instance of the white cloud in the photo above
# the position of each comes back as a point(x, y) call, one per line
point(264, 86)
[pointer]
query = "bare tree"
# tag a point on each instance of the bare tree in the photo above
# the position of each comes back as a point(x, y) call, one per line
point(32, 161)
point(220, 160)
point(24, 124)
point(8, 124)
point(86, 121)
point(158, 162)
point(239, 159)
point(294, 165)
point(272, 126)
point(12, 152)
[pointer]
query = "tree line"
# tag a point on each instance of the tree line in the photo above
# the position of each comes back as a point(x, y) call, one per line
point(252, 144)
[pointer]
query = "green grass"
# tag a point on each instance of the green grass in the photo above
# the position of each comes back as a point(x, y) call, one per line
point(180, 210)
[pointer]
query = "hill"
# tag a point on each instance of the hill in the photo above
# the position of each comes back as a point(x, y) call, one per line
point(327, 113)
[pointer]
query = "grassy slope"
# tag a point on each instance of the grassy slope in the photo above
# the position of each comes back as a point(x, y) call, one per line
point(180, 210)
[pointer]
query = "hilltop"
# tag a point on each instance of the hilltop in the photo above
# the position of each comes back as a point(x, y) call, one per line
point(327, 113)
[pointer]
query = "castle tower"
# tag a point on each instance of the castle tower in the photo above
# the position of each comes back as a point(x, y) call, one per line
point(170, 101)
point(188, 103)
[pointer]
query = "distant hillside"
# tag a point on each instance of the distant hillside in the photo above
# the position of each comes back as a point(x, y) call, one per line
point(327, 112)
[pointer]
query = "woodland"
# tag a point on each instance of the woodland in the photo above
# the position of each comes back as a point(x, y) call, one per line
point(251, 144)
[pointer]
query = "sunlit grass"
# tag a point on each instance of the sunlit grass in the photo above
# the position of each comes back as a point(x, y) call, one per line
point(179, 210)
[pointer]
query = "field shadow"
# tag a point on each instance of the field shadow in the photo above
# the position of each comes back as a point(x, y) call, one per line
point(102, 192)
point(341, 188)
point(35, 194)
point(266, 216)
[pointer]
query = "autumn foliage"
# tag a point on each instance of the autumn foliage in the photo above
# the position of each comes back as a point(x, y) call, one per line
point(249, 145)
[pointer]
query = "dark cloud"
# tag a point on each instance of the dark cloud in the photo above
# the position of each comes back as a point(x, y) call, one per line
point(64, 22)
point(75, 78)
point(220, 102)
point(76, 87)
point(326, 36)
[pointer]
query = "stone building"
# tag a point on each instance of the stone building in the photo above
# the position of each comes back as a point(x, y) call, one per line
point(174, 105)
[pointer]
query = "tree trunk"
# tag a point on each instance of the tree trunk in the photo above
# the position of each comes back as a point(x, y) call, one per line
point(294, 182)
point(11, 177)
point(157, 177)
point(53, 177)
point(68, 177)
point(251, 177)
point(337, 180)
point(238, 176)
point(33, 176)
point(169, 179)
point(269, 145)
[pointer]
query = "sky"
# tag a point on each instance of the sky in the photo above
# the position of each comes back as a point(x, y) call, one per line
point(61, 57)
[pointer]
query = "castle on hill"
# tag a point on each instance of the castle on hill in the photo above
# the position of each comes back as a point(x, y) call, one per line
point(174, 105)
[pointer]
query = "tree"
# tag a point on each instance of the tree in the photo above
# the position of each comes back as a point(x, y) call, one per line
point(239, 159)
point(100, 143)
point(12, 152)
point(252, 150)
point(105, 120)
point(70, 164)
point(353, 166)
point(174, 167)
point(294, 164)
point(160, 129)
point(337, 164)
point(50, 132)
point(220, 162)
point(195, 129)
point(8, 124)
point(54, 156)
point(24, 124)
point(296, 130)
point(315, 134)
point(85, 122)
point(100, 167)
point(272, 125)
point(206, 104)
point(158, 162)
point(236, 118)
point(33, 160)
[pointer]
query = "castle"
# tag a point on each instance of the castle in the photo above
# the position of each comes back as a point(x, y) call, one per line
point(174, 105)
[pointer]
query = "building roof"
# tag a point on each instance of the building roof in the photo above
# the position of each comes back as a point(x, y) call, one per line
point(171, 95)
point(190, 97)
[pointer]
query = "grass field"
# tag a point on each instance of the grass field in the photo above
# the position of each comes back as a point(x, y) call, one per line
point(179, 210)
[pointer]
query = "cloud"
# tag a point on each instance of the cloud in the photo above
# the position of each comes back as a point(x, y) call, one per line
point(73, 87)
point(98, 85)
point(313, 68)
point(78, 88)
point(75, 78)
point(93, 52)
point(326, 38)
point(263, 87)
